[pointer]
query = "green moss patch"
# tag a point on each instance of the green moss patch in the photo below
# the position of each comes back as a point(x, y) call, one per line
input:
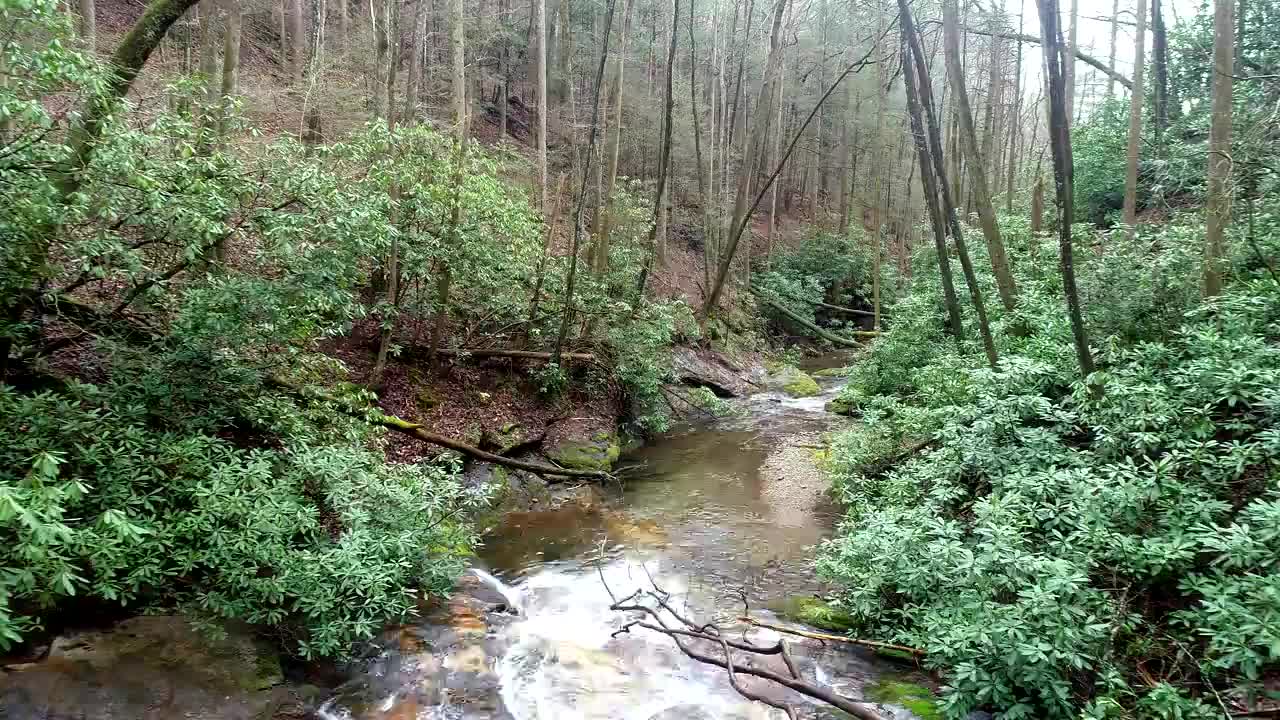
point(597, 454)
point(918, 699)
point(814, 612)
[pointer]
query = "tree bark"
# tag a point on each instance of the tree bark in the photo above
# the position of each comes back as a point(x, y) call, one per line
point(1069, 65)
point(89, 25)
point(1219, 169)
point(297, 23)
point(1160, 65)
point(209, 54)
point(613, 148)
point(975, 160)
point(1055, 57)
point(566, 318)
point(741, 212)
point(230, 62)
point(540, 99)
point(1135, 124)
point(704, 192)
point(457, 56)
point(664, 156)
point(948, 204)
point(414, 80)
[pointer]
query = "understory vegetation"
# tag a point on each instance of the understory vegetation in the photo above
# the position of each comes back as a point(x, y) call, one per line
point(1065, 547)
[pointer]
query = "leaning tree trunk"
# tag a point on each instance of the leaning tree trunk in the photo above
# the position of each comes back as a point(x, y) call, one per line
point(974, 159)
point(1135, 121)
point(1219, 200)
point(948, 203)
point(929, 183)
point(1055, 58)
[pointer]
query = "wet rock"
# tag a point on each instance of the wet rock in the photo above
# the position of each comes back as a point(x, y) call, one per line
point(598, 452)
point(704, 368)
point(508, 437)
point(792, 381)
point(840, 405)
point(146, 668)
point(835, 372)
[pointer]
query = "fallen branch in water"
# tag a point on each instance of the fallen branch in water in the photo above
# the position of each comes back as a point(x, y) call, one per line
point(686, 633)
point(417, 430)
point(833, 638)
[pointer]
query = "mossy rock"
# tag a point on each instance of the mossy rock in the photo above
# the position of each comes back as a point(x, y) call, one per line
point(918, 699)
point(427, 399)
point(840, 405)
point(814, 612)
point(835, 372)
point(794, 382)
point(598, 453)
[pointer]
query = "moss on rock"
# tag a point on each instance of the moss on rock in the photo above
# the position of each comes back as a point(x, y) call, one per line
point(598, 453)
point(918, 699)
point(793, 381)
point(815, 612)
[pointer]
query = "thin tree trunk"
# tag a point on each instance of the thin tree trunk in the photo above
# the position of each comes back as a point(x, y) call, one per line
point(1111, 57)
point(540, 98)
point(658, 234)
point(1219, 170)
point(413, 81)
point(948, 204)
point(975, 160)
point(344, 22)
point(540, 273)
point(1037, 206)
point(1015, 126)
point(297, 23)
point(230, 64)
point(1069, 66)
point(930, 185)
point(89, 25)
point(209, 53)
point(1160, 52)
point(704, 192)
point(566, 319)
point(741, 212)
point(1135, 122)
point(457, 54)
point(1055, 58)
point(382, 58)
point(613, 147)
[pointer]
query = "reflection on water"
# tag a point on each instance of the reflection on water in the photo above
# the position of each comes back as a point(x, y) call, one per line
point(715, 514)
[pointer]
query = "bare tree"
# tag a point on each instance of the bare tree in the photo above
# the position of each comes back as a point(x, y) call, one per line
point(975, 160)
point(1219, 171)
point(414, 81)
point(540, 96)
point(1111, 57)
point(1055, 58)
point(613, 147)
point(664, 155)
point(458, 65)
point(1135, 121)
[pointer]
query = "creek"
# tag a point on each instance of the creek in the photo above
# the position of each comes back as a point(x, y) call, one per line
point(714, 513)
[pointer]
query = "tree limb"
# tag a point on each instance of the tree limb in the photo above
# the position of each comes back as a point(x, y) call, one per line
point(833, 638)
point(1084, 57)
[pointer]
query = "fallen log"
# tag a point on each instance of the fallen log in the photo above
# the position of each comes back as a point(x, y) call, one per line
point(876, 645)
point(419, 431)
point(829, 306)
point(820, 332)
point(525, 354)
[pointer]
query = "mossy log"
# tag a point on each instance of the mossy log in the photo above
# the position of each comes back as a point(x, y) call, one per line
point(808, 325)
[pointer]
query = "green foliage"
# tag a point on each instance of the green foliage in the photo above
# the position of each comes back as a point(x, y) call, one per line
point(1044, 546)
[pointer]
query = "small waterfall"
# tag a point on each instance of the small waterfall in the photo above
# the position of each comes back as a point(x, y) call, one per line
point(508, 593)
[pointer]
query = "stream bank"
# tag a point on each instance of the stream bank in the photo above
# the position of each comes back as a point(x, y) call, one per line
point(714, 512)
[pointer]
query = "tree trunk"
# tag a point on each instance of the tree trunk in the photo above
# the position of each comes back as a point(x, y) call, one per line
point(1160, 53)
point(540, 99)
point(1055, 58)
point(382, 58)
point(563, 51)
point(1219, 200)
point(209, 54)
point(1037, 206)
point(414, 80)
point(930, 184)
point(457, 54)
point(948, 204)
point(566, 319)
point(704, 192)
point(1069, 66)
point(89, 25)
point(1015, 126)
point(750, 156)
point(1111, 57)
point(344, 22)
point(974, 159)
point(613, 147)
point(657, 236)
point(230, 62)
point(1135, 122)
point(297, 23)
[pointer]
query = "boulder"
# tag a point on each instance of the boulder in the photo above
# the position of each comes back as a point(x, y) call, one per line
point(711, 370)
point(792, 381)
point(148, 667)
point(597, 452)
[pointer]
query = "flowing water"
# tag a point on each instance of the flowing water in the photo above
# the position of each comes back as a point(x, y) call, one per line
point(717, 515)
